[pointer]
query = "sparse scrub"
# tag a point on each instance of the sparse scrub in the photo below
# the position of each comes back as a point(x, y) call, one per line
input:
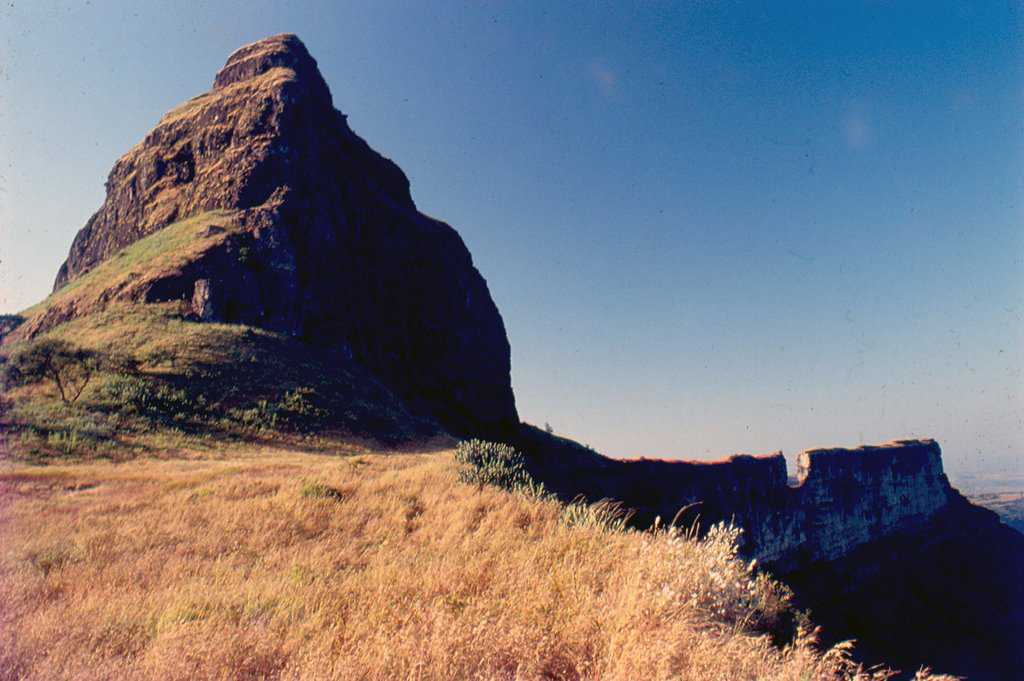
point(500, 465)
point(8, 323)
point(67, 367)
point(604, 515)
point(68, 442)
point(72, 433)
point(493, 463)
point(722, 583)
point(150, 398)
point(294, 411)
point(259, 417)
point(300, 404)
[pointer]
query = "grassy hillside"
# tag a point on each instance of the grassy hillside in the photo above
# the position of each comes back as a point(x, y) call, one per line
point(170, 385)
point(163, 251)
point(286, 565)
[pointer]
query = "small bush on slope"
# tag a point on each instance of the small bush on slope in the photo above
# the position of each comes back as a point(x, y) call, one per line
point(318, 490)
point(146, 397)
point(492, 463)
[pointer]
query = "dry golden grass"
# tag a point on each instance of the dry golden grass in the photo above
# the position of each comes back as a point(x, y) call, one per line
point(126, 275)
point(136, 264)
point(282, 565)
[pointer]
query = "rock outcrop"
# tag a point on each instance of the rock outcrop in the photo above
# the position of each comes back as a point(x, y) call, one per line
point(840, 499)
point(331, 246)
point(947, 593)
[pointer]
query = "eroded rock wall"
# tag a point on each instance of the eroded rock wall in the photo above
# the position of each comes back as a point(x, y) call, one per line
point(840, 499)
point(847, 498)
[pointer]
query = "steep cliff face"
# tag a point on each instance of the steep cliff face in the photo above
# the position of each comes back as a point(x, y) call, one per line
point(840, 500)
point(327, 243)
point(947, 593)
point(851, 497)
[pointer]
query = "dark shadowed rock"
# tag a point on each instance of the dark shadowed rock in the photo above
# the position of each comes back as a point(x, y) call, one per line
point(331, 248)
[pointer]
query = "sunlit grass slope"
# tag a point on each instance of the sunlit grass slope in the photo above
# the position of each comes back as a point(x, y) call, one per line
point(217, 504)
point(164, 250)
point(283, 565)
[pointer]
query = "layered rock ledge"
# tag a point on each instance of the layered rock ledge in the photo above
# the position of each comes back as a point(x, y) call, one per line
point(840, 499)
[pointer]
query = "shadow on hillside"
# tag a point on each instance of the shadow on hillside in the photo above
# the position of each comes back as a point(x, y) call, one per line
point(8, 323)
point(217, 385)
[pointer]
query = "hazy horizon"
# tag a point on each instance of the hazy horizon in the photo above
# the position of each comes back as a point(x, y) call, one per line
point(709, 229)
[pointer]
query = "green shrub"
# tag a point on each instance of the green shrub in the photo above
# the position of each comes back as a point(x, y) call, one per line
point(299, 403)
point(69, 368)
point(294, 411)
point(604, 515)
point(65, 441)
point(264, 415)
point(493, 463)
point(721, 582)
point(161, 357)
point(147, 397)
point(9, 322)
point(68, 441)
point(318, 490)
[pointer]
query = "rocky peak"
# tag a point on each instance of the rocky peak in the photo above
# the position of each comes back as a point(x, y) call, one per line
point(255, 59)
point(329, 244)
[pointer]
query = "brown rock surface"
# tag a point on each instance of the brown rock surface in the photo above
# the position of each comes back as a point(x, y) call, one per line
point(331, 246)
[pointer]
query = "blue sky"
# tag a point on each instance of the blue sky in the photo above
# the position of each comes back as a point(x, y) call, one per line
point(710, 228)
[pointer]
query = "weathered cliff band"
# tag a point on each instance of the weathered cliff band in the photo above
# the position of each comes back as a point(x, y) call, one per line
point(841, 498)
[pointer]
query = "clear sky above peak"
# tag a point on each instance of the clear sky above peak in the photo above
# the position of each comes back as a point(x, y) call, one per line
point(709, 228)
